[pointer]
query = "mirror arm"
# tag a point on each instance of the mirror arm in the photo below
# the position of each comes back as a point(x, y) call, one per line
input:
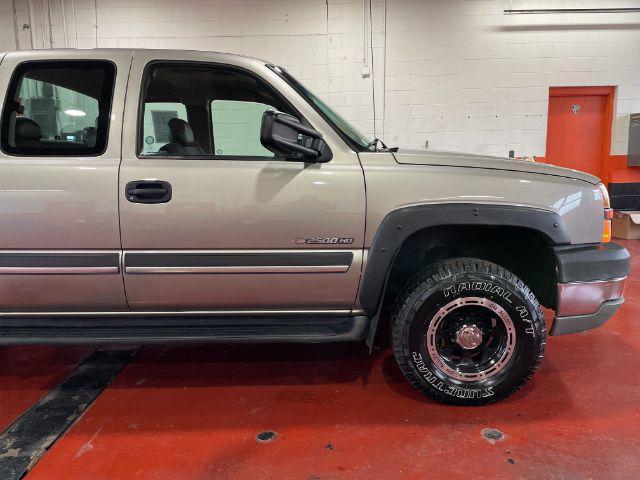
point(295, 147)
point(310, 132)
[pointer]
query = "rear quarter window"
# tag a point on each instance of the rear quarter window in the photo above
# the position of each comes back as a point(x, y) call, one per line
point(58, 108)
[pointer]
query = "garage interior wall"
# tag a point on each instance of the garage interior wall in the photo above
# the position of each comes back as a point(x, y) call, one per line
point(453, 74)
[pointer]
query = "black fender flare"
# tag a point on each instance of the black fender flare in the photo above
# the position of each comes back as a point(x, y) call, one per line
point(400, 224)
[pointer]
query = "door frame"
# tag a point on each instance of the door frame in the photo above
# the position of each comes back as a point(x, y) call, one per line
point(607, 126)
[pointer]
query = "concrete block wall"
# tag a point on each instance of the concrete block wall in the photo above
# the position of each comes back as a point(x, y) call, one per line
point(456, 74)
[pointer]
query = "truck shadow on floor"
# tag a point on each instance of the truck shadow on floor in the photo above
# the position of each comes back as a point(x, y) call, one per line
point(340, 384)
point(343, 376)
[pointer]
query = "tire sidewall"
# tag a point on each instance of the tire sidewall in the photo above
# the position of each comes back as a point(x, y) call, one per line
point(518, 302)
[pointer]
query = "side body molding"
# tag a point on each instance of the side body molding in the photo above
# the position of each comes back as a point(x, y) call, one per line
point(400, 224)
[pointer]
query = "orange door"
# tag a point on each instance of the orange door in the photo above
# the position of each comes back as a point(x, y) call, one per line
point(576, 131)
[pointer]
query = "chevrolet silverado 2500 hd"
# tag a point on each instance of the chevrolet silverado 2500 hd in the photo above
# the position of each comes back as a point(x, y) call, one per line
point(157, 196)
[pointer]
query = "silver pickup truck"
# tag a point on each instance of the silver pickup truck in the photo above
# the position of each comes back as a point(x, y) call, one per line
point(162, 196)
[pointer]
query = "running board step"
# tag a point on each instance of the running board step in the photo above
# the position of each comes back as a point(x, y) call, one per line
point(92, 330)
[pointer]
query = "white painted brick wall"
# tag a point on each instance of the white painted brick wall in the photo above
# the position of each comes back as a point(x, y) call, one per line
point(458, 73)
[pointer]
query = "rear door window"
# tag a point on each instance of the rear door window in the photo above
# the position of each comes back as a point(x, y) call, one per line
point(58, 108)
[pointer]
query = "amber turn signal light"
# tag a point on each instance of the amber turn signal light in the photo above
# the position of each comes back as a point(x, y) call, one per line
point(606, 231)
point(608, 213)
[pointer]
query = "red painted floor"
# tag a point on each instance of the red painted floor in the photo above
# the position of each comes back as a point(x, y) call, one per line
point(194, 412)
point(28, 373)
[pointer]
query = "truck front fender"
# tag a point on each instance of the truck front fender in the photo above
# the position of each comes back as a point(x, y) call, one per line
point(400, 224)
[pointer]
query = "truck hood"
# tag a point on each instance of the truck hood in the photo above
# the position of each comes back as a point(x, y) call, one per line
point(433, 157)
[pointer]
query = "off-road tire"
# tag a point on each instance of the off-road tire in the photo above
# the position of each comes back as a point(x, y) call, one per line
point(446, 285)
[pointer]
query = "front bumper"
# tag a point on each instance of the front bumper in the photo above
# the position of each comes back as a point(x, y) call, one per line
point(591, 285)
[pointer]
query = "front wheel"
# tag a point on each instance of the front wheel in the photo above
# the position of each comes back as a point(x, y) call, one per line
point(468, 332)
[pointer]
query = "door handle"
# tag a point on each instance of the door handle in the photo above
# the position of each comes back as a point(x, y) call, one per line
point(148, 191)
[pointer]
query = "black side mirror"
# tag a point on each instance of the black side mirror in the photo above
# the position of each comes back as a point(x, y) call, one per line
point(286, 136)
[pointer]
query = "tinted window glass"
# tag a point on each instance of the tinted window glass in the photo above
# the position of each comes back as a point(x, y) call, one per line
point(155, 128)
point(204, 110)
point(58, 108)
point(236, 127)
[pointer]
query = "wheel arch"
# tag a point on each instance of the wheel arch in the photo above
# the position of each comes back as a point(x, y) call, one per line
point(460, 229)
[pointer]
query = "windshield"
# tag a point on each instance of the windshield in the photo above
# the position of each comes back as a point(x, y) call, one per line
point(355, 138)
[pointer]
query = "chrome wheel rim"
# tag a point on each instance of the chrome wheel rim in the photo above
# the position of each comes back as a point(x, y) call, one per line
point(454, 347)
